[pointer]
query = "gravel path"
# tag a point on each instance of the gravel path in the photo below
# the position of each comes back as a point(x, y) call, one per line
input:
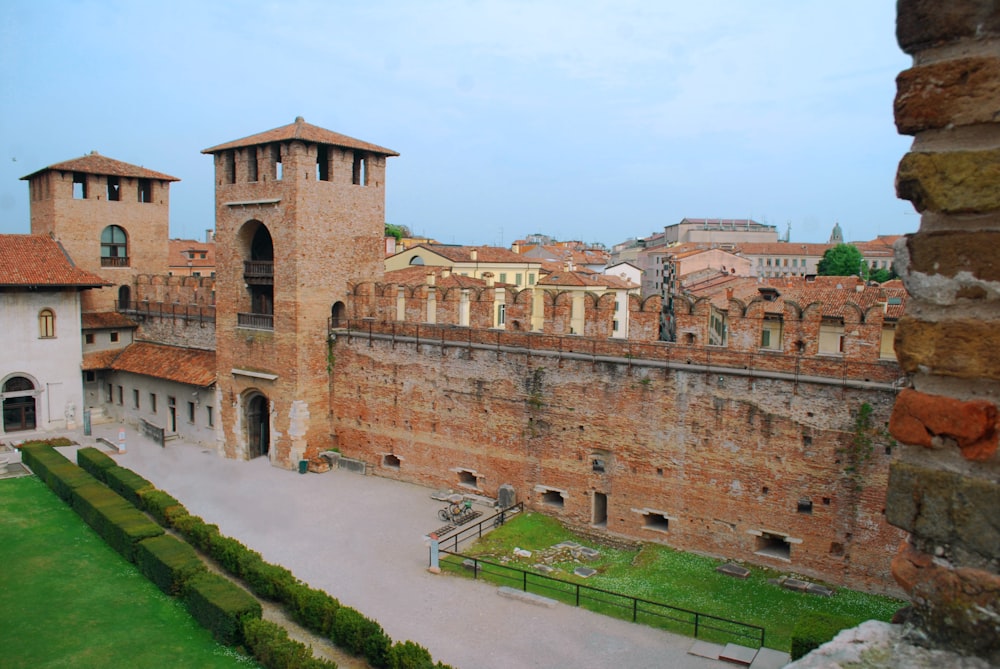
point(361, 539)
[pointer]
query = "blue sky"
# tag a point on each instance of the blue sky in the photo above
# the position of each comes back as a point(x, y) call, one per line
point(581, 119)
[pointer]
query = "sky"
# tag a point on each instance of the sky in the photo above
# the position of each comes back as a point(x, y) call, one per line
point(580, 119)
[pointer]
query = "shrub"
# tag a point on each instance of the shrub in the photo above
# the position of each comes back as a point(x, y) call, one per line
point(269, 581)
point(198, 533)
point(813, 630)
point(95, 462)
point(168, 562)
point(271, 647)
point(220, 606)
point(312, 608)
point(408, 655)
point(348, 630)
point(159, 505)
point(127, 483)
point(64, 477)
point(376, 645)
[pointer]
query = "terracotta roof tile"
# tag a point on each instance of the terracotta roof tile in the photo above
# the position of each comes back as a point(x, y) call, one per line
point(484, 254)
point(103, 320)
point(37, 260)
point(304, 131)
point(95, 163)
point(187, 253)
point(192, 366)
point(98, 360)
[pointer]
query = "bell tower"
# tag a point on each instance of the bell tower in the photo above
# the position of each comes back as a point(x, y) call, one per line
point(299, 212)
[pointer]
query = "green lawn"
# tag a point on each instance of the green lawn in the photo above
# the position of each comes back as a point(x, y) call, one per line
point(679, 579)
point(68, 600)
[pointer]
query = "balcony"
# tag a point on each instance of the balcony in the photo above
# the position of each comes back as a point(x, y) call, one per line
point(258, 272)
point(118, 261)
point(255, 321)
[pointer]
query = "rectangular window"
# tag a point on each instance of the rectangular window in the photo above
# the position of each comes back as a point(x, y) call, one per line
point(770, 334)
point(717, 327)
point(252, 164)
point(518, 278)
point(88, 338)
point(135, 398)
point(229, 167)
point(46, 324)
point(501, 314)
point(276, 157)
point(614, 326)
point(145, 190)
point(831, 336)
point(322, 163)
point(89, 377)
point(531, 279)
point(190, 412)
point(79, 186)
point(114, 189)
point(503, 277)
point(887, 348)
point(152, 402)
point(121, 396)
point(114, 337)
point(109, 395)
point(209, 417)
point(359, 175)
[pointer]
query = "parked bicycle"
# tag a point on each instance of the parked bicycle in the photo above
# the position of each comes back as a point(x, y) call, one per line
point(456, 508)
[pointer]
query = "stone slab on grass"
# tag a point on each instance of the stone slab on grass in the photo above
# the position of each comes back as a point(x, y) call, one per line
point(738, 654)
point(734, 570)
point(584, 572)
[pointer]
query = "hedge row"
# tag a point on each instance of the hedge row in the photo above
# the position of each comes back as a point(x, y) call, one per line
point(95, 462)
point(169, 563)
point(221, 606)
point(271, 646)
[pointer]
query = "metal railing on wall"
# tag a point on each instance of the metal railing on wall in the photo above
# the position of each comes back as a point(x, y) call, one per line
point(190, 312)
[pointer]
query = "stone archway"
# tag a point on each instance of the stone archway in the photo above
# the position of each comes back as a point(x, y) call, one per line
point(19, 404)
point(258, 422)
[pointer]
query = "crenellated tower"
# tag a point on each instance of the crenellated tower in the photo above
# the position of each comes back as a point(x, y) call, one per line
point(300, 213)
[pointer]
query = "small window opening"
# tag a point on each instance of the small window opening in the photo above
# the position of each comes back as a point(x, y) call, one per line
point(322, 163)
point(807, 440)
point(359, 175)
point(114, 189)
point(109, 394)
point(689, 339)
point(773, 545)
point(79, 186)
point(90, 377)
point(114, 337)
point(152, 402)
point(805, 506)
point(800, 347)
point(598, 465)
point(145, 190)
point(390, 461)
point(655, 521)
point(659, 471)
point(826, 501)
point(210, 416)
point(252, 164)
point(553, 498)
point(190, 412)
point(276, 152)
point(121, 396)
point(467, 479)
point(135, 398)
point(764, 490)
point(229, 167)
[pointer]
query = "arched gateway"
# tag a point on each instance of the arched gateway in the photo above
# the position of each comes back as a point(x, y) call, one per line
point(258, 426)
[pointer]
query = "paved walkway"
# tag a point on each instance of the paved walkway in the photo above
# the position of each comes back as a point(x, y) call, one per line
point(360, 538)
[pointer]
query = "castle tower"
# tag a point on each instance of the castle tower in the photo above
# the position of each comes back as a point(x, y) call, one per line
point(299, 212)
point(112, 218)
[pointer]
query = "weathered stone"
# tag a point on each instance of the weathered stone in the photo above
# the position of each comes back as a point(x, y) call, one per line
point(953, 182)
point(951, 252)
point(957, 608)
point(962, 347)
point(925, 23)
point(954, 92)
point(730, 569)
point(945, 507)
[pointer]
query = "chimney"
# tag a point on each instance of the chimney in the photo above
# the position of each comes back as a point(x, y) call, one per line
point(446, 272)
point(474, 255)
point(488, 276)
point(431, 277)
point(209, 236)
point(516, 248)
point(729, 293)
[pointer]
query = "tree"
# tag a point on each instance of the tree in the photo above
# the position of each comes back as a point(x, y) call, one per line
point(397, 231)
point(842, 260)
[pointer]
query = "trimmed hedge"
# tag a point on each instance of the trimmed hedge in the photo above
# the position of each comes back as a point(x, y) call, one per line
point(221, 606)
point(127, 483)
point(168, 562)
point(95, 462)
point(160, 506)
point(813, 630)
point(119, 523)
point(58, 473)
point(409, 655)
point(312, 608)
point(360, 636)
point(271, 647)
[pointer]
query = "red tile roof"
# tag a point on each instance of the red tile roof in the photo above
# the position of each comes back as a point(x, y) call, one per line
point(304, 131)
point(192, 366)
point(833, 292)
point(417, 276)
point(484, 254)
point(37, 260)
point(587, 279)
point(95, 163)
point(99, 360)
point(103, 320)
point(182, 250)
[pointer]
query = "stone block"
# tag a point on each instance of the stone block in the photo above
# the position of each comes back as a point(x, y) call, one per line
point(947, 253)
point(731, 569)
point(945, 507)
point(951, 182)
point(956, 92)
point(926, 23)
point(961, 347)
point(957, 608)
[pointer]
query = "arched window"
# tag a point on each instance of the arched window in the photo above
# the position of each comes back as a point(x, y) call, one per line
point(46, 324)
point(416, 260)
point(114, 247)
point(124, 298)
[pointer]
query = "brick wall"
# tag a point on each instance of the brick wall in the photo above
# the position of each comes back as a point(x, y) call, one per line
point(723, 458)
point(945, 490)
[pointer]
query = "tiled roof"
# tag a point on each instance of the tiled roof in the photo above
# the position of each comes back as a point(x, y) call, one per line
point(172, 363)
point(104, 320)
point(417, 276)
point(833, 292)
point(585, 279)
point(98, 360)
point(95, 163)
point(37, 260)
point(781, 249)
point(306, 132)
point(484, 254)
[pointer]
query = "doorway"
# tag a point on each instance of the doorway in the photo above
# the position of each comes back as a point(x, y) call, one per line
point(600, 509)
point(258, 427)
point(19, 410)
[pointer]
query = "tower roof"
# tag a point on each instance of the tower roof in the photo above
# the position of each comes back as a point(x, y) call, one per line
point(95, 163)
point(302, 131)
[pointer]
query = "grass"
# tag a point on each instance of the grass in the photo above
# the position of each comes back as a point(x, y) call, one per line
point(69, 600)
point(682, 580)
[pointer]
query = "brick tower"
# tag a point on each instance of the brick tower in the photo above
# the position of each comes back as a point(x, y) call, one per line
point(112, 218)
point(299, 212)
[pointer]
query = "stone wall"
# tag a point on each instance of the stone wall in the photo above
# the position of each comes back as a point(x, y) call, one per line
point(697, 458)
point(945, 489)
